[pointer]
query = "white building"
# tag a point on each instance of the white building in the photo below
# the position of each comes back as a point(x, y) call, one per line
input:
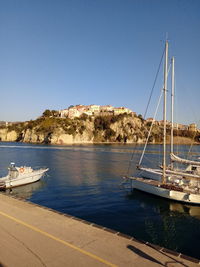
point(63, 113)
point(90, 110)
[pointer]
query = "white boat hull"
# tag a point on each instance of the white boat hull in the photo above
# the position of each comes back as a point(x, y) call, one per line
point(145, 186)
point(28, 178)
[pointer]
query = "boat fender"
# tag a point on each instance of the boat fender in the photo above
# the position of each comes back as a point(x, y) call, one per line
point(21, 170)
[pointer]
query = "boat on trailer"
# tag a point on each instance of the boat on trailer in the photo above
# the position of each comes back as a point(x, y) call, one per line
point(175, 184)
point(18, 176)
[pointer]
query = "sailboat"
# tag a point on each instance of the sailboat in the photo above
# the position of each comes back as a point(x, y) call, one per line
point(175, 184)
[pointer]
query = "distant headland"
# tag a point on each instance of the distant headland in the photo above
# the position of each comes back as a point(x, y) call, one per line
point(93, 124)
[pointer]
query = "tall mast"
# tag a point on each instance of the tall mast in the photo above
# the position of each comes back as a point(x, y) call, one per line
point(172, 108)
point(165, 111)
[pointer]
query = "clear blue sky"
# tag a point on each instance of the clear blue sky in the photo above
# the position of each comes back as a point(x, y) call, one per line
point(57, 53)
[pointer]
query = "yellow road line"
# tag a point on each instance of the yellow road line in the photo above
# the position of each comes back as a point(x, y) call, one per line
point(58, 240)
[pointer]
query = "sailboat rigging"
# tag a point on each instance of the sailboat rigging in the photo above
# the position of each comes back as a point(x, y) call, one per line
point(168, 182)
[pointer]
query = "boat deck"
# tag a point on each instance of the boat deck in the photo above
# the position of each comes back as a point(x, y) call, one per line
point(158, 184)
point(148, 181)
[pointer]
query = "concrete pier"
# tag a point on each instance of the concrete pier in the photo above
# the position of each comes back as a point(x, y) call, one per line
point(31, 235)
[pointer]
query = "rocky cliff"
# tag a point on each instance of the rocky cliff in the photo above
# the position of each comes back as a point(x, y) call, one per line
point(122, 128)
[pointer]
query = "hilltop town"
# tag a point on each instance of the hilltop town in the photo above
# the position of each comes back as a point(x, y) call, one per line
point(98, 110)
point(92, 110)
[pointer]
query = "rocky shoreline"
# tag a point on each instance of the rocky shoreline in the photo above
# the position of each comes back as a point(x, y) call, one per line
point(65, 139)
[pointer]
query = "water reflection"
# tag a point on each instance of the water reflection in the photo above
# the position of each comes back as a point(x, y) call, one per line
point(159, 204)
point(186, 209)
point(25, 191)
point(84, 181)
point(167, 223)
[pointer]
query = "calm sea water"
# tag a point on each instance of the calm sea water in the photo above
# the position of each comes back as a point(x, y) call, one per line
point(85, 181)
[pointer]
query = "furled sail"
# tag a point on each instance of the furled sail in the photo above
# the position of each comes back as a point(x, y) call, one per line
point(183, 174)
point(151, 170)
point(178, 173)
point(184, 161)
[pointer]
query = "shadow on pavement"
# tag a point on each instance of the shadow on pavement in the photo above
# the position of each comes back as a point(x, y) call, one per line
point(148, 257)
point(143, 254)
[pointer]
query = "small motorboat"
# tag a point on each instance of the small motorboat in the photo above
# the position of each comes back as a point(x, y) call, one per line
point(18, 176)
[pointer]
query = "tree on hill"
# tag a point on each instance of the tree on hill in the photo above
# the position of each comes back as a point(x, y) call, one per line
point(71, 106)
point(50, 113)
point(140, 117)
point(46, 113)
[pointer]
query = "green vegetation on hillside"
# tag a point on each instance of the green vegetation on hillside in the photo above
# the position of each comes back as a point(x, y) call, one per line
point(104, 128)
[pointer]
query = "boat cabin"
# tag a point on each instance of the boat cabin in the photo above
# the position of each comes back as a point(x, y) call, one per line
point(12, 171)
point(194, 169)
